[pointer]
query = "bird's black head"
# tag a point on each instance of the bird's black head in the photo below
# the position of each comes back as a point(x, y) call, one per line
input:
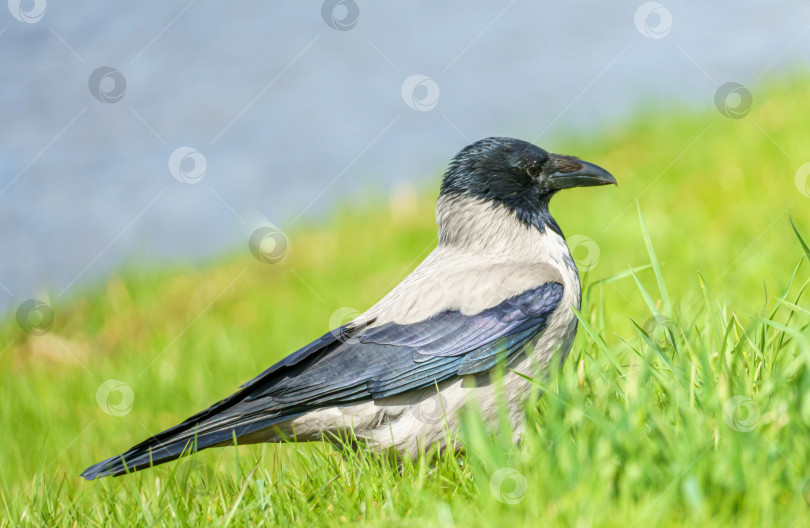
point(518, 175)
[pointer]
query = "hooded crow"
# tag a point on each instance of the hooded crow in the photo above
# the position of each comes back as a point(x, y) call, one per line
point(498, 290)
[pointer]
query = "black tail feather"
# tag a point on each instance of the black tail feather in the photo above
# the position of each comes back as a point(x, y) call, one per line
point(177, 442)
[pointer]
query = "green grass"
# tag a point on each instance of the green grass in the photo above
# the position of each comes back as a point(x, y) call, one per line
point(686, 398)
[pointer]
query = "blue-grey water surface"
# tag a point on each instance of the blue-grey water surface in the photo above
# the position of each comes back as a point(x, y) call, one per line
point(292, 116)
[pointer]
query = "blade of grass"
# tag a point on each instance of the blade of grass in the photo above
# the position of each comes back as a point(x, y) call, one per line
point(645, 295)
point(618, 276)
point(599, 342)
point(801, 240)
point(654, 262)
point(707, 302)
point(794, 307)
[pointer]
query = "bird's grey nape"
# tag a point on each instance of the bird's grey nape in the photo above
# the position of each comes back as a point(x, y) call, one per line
point(475, 224)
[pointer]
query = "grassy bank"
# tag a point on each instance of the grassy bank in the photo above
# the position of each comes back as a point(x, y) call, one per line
point(686, 397)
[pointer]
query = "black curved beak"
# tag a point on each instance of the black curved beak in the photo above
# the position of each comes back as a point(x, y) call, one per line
point(589, 175)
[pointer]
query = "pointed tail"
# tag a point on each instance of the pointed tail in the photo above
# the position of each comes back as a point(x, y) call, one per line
point(199, 432)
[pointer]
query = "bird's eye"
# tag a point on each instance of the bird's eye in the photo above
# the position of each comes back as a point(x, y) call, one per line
point(533, 168)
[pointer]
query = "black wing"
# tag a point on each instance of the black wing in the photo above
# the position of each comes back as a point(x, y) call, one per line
point(354, 364)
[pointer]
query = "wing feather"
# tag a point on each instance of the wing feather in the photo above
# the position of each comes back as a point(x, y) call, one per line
point(354, 364)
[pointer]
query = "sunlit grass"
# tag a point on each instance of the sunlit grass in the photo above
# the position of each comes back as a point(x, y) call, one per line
point(686, 398)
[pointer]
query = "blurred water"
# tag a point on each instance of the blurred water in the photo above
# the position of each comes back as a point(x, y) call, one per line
point(293, 116)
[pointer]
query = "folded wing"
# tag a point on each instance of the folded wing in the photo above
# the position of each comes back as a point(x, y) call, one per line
point(354, 364)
